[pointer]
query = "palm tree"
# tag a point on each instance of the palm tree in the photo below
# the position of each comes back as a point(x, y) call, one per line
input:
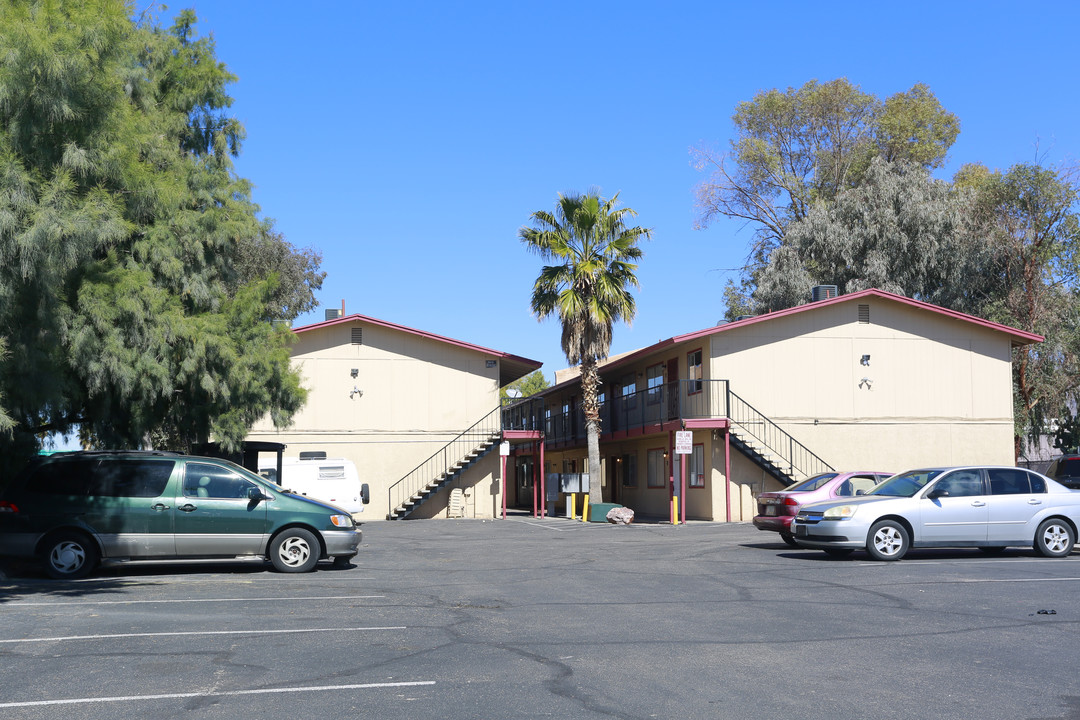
point(594, 255)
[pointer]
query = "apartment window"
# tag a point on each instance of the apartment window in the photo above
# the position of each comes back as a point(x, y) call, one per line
point(693, 372)
point(655, 383)
point(657, 472)
point(697, 467)
point(628, 390)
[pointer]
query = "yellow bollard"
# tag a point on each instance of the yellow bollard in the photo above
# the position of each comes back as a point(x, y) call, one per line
point(585, 509)
point(675, 507)
point(573, 506)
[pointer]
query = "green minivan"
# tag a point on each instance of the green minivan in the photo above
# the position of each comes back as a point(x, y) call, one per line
point(71, 510)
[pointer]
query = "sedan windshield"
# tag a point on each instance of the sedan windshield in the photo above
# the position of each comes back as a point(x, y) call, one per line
point(905, 484)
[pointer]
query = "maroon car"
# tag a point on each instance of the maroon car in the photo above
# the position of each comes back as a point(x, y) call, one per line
point(777, 509)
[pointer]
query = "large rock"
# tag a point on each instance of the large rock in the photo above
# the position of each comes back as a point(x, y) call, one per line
point(620, 515)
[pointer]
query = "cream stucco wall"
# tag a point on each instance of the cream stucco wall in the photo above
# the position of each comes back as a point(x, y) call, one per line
point(419, 393)
point(939, 390)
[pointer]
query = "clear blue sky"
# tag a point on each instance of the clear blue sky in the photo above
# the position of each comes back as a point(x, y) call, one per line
point(408, 141)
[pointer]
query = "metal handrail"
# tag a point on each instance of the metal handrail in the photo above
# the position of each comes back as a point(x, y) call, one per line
point(799, 458)
point(450, 456)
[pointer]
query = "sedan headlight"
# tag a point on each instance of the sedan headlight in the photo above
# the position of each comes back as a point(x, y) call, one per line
point(840, 512)
point(341, 521)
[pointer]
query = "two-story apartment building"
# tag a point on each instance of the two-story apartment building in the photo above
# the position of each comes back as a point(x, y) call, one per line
point(408, 407)
point(869, 380)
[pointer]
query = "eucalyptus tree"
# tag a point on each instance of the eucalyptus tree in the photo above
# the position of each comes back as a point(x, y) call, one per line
point(899, 230)
point(593, 254)
point(1033, 217)
point(126, 304)
point(796, 149)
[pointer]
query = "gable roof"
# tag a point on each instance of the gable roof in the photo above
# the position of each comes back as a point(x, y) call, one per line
point(511, 367)
point(1017, 337)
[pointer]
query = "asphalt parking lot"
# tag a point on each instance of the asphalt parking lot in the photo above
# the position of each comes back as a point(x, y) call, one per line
point(524, 618)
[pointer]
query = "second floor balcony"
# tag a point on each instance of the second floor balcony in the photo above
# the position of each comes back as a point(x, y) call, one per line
point(655, 409)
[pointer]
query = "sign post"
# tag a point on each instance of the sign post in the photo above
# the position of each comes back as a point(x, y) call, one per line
point(684, 445)
point(504, 452)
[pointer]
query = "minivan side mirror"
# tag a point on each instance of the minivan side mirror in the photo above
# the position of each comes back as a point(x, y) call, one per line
point(365, 493)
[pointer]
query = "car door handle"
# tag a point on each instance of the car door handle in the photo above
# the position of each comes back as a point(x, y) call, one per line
point(1033, 501)
point(187, 508)
point(159, 507)
point(978, 503)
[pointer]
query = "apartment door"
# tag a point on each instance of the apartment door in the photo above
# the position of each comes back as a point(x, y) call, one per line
point(523, 482)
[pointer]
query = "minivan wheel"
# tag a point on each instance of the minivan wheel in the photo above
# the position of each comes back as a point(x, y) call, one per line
point(294, 550)
point(70, 556)
point(1054, 538)
point(887, 540)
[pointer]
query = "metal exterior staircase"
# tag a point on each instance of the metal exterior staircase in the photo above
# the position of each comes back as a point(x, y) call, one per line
point(446, 465)
point(769, 446)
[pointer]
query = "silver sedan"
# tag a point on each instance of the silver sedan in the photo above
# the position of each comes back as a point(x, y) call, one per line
point(986, 507)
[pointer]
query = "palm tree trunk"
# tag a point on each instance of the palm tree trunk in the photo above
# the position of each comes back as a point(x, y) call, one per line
point(590, 405)
point(592, 433)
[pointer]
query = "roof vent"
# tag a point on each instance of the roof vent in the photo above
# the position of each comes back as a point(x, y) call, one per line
point(313, 455)
point(823, 292)
point(744, 317)
point(333, 314)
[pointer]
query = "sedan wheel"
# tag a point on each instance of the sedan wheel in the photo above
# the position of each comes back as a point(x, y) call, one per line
point(1054, 538)
point(787, 537)
point(887, 540)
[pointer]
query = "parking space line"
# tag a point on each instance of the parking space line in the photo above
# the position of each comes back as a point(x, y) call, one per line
point(198, 632)
point(541, 525)
point(221, 693)
point(960, 581)
point(197, 600)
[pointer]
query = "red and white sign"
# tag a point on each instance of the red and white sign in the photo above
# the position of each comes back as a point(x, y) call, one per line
point(684, 442)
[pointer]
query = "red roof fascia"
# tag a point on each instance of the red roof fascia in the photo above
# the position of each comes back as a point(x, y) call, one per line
point(1019, 337)
point(413, 331)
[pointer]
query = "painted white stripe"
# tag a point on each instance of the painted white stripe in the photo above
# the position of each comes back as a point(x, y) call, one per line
point(990, 580)
point(197, 600)
point(222, 693)
point(541, 525)
point(198, 632)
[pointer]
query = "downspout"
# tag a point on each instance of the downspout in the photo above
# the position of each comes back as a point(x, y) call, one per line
point(727, 470)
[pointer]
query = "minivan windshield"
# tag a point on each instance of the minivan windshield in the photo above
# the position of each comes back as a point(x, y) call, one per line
point(905, 484)
point(244, 472)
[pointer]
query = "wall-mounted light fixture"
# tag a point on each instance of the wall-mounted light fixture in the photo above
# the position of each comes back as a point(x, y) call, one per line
point(865, 360)
point(355, 372)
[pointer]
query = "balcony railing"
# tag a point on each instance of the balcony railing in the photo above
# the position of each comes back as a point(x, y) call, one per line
point(654, 408)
